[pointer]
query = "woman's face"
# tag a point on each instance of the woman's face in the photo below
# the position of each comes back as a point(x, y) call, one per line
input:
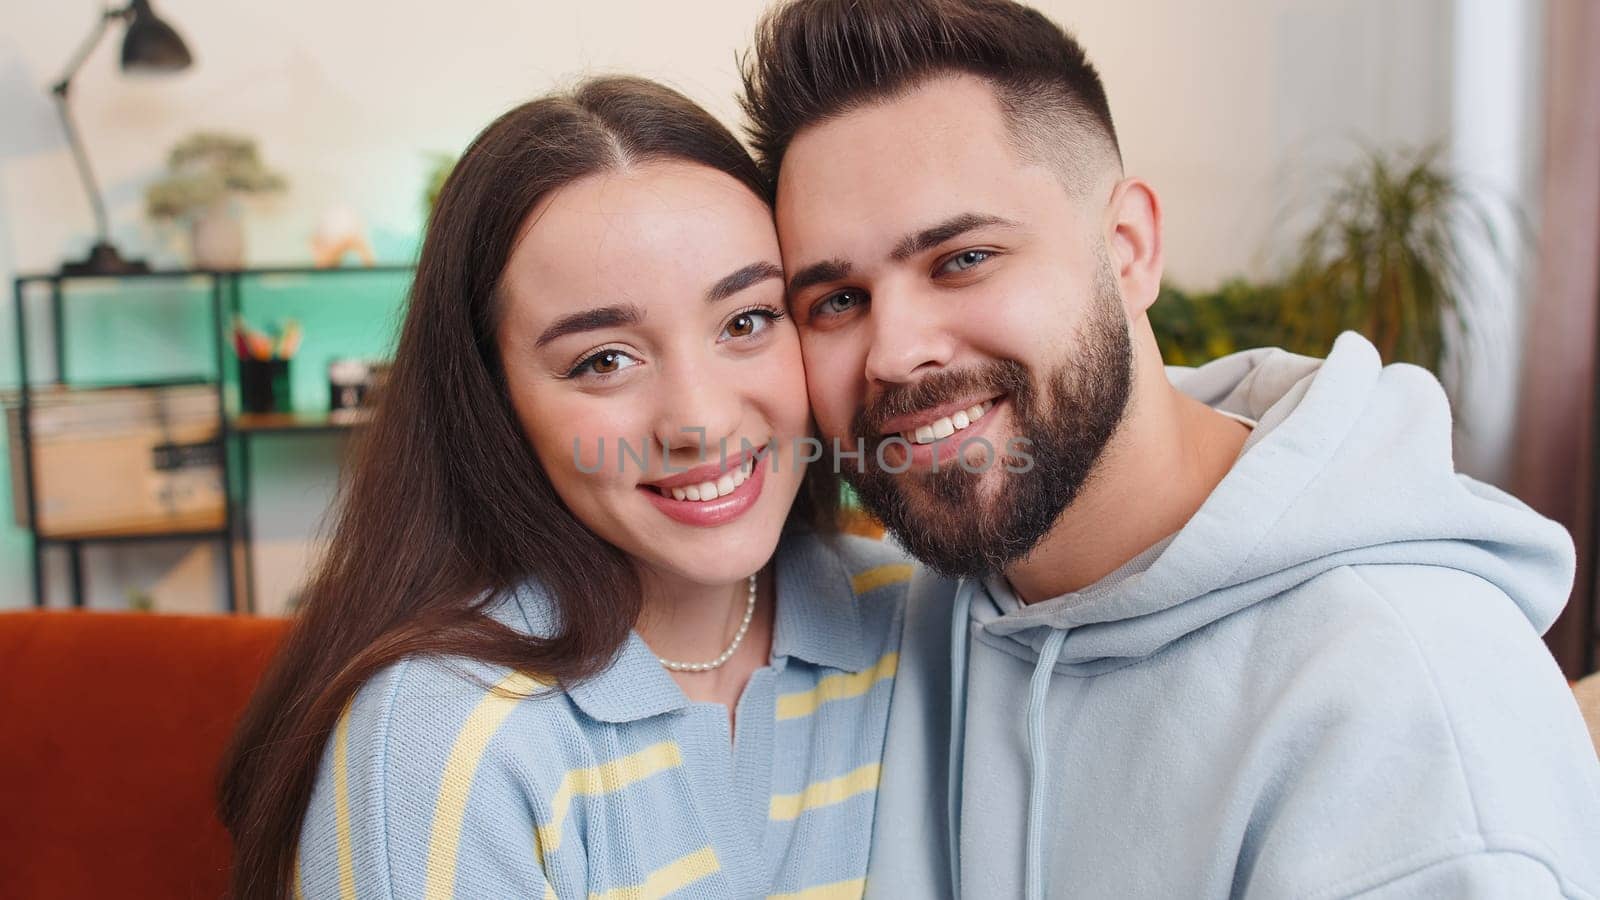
point(644, 309)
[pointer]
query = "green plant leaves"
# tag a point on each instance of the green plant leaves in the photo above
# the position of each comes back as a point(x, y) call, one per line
point(1387, 258)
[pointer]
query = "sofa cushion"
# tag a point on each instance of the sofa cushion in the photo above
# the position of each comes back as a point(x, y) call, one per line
point(114, 727)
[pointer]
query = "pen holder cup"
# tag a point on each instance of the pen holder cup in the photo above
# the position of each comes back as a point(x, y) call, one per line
point(264, 385)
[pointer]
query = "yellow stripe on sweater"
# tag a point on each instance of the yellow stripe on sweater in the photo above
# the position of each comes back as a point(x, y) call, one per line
point(825, 793)
point(603, 779)
point(672, 877)
point(878, 576)
point(341, 806)
point(450, 810)
point(839, 890)
point(836, 687)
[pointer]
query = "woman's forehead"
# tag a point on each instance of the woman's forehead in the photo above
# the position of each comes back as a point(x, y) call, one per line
point(652, 233)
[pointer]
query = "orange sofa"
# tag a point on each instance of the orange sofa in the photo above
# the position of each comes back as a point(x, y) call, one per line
point(114, 726)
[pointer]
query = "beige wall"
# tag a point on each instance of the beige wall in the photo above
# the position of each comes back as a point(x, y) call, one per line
point(1229, 109)
point(1223, 106)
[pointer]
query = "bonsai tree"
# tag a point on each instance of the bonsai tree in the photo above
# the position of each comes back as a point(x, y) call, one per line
point(205, 169)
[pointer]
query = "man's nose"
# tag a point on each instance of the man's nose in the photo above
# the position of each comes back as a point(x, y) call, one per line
point(908, 337)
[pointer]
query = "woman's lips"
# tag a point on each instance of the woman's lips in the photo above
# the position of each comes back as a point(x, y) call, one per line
point(710, 472)
point(744, 482)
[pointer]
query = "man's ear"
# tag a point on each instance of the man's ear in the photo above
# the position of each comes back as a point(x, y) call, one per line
point(1133, 233)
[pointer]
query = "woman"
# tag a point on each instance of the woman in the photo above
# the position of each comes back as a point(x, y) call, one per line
point(557, 647)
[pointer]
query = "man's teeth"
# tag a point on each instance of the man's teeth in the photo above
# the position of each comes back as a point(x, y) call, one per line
point(711, 490)
point(944, 427)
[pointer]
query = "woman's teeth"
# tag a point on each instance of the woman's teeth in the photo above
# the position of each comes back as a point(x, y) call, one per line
point(943, 428)
point(711, 490)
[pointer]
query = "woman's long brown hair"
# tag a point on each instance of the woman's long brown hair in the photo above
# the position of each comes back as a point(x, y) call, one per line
point(444, 504)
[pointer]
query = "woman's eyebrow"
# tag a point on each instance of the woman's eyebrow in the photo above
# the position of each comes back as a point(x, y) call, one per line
point(732, 284)
point(590, 320)
point(628, 314)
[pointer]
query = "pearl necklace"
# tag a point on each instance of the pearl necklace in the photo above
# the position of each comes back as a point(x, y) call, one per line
point(738, 638)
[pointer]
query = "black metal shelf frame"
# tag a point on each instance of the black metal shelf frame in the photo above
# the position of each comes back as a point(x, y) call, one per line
point(235, 537)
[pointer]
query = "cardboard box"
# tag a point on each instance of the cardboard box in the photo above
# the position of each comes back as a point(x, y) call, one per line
point(120, 460)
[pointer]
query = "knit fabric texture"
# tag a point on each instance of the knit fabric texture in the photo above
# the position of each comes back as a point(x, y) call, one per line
point(452, 778)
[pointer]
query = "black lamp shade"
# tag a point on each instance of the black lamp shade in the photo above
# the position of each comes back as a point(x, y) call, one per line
point(151, 45)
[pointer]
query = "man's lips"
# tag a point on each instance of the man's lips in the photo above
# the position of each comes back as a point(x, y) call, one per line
point(939, 422)
point(929, 448)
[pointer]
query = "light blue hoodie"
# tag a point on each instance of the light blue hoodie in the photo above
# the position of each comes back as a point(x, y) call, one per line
point(1329, 683)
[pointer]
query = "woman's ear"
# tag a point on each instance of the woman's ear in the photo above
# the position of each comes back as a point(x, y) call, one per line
point(1133, 232)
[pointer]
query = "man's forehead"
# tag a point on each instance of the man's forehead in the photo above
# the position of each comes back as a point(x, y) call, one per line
point(943, 123)
point(878, 172)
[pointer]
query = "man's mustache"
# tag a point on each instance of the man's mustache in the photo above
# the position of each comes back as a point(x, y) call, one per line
point(936, 389)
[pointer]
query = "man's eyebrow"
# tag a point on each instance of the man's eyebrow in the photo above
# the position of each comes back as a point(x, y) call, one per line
point(589, 320)
point(928, 238)
point(838, 269)
point(752, 274)
point(819, 273)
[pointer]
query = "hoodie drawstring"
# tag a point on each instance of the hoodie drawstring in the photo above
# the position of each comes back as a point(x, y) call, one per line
point(1038, 775)
point(960, 636)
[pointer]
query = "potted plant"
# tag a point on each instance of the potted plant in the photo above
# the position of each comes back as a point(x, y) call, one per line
point(1389, 258)
point(207, 173)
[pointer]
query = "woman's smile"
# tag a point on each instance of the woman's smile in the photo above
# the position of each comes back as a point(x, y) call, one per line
point(713, 501)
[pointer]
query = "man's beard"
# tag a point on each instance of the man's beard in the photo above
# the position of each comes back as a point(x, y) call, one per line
point(941, 517)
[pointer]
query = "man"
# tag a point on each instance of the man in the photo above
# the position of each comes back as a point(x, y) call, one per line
point(1236, 631)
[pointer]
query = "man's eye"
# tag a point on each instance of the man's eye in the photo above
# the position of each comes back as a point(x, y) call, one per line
point(836, 304)
point(964, 260)
point(606, 362)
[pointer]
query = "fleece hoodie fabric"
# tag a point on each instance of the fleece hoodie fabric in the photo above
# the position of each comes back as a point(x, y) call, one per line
point(1328, 683)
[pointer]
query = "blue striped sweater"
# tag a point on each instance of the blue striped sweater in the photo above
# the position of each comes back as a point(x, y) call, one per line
point(450, 778)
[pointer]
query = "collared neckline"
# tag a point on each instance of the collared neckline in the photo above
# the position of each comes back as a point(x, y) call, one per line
point(817, 621)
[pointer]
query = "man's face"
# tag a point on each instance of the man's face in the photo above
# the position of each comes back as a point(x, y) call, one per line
point(959, 316)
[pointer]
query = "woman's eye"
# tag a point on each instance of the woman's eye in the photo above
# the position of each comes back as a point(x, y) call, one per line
point(964, 260)
point(606, 362)
point(749, 323)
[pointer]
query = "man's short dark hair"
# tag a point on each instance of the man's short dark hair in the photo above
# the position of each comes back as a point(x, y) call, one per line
point(816, 59)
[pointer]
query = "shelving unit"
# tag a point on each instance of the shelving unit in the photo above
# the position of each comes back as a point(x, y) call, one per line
point(236, 431)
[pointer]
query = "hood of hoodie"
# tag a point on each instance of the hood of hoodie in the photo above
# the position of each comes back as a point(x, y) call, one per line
point(1350, 463)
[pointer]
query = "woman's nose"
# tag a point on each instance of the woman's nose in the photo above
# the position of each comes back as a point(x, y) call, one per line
point(697, 415)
